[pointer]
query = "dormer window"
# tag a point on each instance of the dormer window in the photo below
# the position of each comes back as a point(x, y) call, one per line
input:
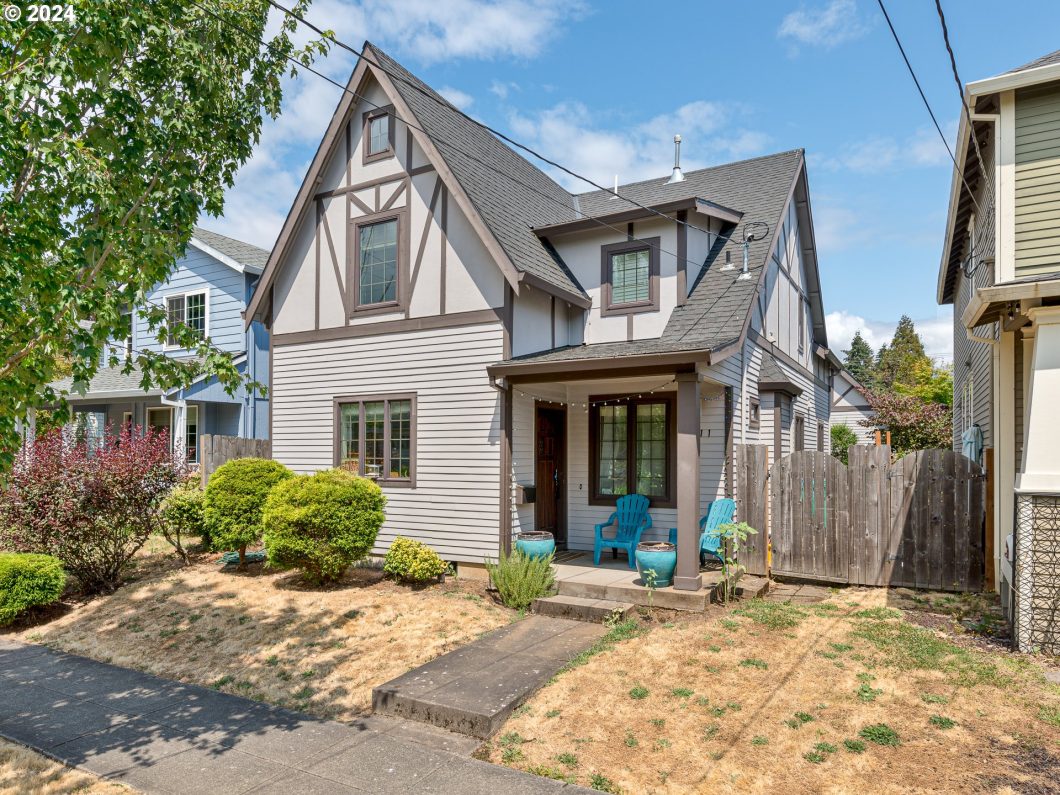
point(378, 135)
point(629, 276)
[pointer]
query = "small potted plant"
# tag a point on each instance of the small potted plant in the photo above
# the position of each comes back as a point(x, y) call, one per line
point(660, 557)
point(535, 543)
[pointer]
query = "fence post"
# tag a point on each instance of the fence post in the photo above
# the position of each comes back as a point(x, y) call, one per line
point(752, 484)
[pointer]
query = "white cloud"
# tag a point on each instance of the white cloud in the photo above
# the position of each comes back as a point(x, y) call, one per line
point(502, 89)
point(935, 332)
point(881, 153)
point(461, 99)
point(824, 26)
point(571, 133)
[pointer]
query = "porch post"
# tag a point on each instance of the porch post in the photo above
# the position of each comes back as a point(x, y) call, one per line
point(687, 576)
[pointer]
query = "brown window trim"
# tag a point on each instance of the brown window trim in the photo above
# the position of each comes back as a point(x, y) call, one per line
point(607, 308)
point(339, 402)
point(366, 117)
point(669, 500)
point(353, 276)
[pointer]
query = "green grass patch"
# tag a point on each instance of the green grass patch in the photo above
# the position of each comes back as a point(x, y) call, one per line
point(867, 693)
point(631, 740)
point(908, 647)
point(758, 739)
point(932, 698)
point(711, 731)
point(638, 693)
point(552, 713)
point(825, 748)
point(658, 723)
point(879, 613)
point(682, 692)
point(754, 662)
point(772, 615)
point(841, 647)
point(814, 757)
point(544, 771)
point(880, 734)
point(624, 630)
point(942, 722)
point(854, 746)
point(1050, 714)
point(730, 624)
point(602, 783)
point(568, 759)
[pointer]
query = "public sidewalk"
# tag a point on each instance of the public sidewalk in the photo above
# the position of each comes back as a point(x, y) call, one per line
point(161, 736)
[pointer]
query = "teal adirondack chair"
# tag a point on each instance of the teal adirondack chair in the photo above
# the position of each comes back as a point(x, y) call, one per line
point(630, 519)
point(719, 512)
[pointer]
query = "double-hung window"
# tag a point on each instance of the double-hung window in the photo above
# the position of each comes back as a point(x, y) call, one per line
point(378, 135)
point(629, 275)
point(632, 449)
point(375, 436)
point(188, 309)
point(378, 269)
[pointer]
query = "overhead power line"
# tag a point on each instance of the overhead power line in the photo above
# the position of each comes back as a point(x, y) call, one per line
point(489, 166)
point(923, 96)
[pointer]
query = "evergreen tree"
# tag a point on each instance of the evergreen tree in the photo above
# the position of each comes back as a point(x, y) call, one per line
point(903, 362)
point(859, 361)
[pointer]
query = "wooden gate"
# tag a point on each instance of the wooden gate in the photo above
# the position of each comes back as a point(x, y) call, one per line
point(216, 450)
point(917, 523)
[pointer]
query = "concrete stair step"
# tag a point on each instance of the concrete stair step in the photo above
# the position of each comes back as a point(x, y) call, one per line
point(581, 608)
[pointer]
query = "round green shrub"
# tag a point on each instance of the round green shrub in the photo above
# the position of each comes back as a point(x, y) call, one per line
point(843, 438)
point(322, 523)
point(413, 561)
point(28, 581)
point(182, 512)
point(235, 497)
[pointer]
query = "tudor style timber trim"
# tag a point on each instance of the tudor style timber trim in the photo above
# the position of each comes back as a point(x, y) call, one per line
point(453, 320)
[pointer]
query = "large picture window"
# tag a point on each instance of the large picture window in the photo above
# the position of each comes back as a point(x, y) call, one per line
point(632, 449)
point(188, 309)
point(375, 437)
point(629, 277)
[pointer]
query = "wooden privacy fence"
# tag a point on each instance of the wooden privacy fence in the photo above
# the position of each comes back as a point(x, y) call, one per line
point(918, 522)
point(216, 450)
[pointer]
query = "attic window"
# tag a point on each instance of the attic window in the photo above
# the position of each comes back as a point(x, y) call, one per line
point(629, 277)
point(378, 135)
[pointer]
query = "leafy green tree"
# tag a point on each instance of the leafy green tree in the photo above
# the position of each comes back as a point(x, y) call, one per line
point(858, 360)
point(843, 438)
point(897, 365)
point(915, 424)
point(117, 130)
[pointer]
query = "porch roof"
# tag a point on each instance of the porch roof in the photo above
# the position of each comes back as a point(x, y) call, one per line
point(656, 352)
point(109, 383)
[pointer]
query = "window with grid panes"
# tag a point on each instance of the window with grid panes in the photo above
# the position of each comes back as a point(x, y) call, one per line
point(376, 438)
point(378, 263)
point(632, 448)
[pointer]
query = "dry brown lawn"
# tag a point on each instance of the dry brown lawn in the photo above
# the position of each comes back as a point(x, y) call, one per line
point(269, 637)
point(24, 772)
point(774, 698)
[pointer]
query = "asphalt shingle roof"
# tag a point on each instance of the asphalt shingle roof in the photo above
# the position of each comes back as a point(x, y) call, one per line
point(108, 380)
point(505, 188)
point(244, 253)
point(714, 314)
point(1045, 60)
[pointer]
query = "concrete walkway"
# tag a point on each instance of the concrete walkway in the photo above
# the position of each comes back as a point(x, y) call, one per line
point(474, 689)
point(161, 736)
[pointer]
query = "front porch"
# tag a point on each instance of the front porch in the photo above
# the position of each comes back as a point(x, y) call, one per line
point(614, 581)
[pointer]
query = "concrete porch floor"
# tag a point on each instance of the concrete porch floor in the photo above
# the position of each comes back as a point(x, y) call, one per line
point(616, 581)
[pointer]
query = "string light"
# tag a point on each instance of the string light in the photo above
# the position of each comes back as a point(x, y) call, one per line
point(611, 400)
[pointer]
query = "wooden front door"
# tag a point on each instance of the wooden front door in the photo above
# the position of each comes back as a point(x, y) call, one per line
point(550, 506)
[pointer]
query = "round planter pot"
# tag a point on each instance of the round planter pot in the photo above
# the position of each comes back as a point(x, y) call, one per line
point(535, 544)
point(660, 556)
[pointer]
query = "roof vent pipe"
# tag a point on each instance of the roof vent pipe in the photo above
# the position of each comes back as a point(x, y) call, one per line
point(744, 273)
point(677, 175)
point(728, 266)
point(614, 193)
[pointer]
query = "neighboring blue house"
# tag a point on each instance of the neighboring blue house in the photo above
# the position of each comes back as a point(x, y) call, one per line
point(208, 290)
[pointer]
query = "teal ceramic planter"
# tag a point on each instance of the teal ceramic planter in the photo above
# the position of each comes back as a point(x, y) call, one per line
point(660, 556)
point(535, 544)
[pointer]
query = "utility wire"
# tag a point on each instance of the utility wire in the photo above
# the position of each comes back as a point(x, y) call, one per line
point(443, 142)
point(923, 96)
point(445, 103)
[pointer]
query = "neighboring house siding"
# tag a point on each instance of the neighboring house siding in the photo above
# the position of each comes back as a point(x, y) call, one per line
point(973, 374)
point(454, 505)
point(226, 288)
point(1038, 180)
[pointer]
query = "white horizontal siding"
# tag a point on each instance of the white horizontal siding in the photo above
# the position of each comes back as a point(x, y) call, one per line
point(455, 505)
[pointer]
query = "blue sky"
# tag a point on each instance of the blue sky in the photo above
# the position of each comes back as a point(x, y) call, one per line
point(603, 87)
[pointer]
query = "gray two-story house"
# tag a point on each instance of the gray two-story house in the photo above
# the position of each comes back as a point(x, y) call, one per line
point(208, 291)
point(503, 355)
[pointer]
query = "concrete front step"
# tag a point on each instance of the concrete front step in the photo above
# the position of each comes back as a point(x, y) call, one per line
point(474, 689)
point(582, 609)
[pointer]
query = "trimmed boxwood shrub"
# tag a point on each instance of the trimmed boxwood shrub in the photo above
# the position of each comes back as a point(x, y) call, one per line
point(28, 581)
point(413, 561)
point(322, 523)
point(182, 516)
point(234, 499)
